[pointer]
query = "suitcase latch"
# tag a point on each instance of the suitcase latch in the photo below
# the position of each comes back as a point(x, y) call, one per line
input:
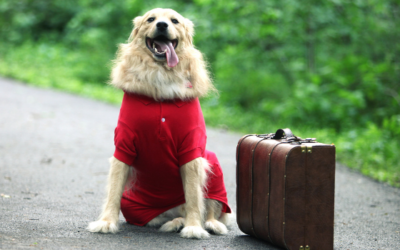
point(301, 248)
point(306, 149)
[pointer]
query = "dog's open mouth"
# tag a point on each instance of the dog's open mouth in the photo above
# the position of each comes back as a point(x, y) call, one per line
point(161, 47)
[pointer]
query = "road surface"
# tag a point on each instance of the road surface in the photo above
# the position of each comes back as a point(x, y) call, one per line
point(54, 148)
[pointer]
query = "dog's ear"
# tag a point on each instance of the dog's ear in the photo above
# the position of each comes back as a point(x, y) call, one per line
point(136, 25)
point(189, 31)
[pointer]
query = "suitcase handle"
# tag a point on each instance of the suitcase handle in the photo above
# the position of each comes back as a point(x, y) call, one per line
point(286, 133)
point(282, 133)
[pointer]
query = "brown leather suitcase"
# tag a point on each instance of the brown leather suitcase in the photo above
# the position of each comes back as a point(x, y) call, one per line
point(285, 190)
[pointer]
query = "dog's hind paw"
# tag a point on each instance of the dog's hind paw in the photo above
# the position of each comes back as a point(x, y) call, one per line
point(227, 219)
point(193, 232)
point(102, 226)
point(173, 225)
point(216, 227)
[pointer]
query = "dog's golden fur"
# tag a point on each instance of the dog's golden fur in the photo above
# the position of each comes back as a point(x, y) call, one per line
point(137, 69)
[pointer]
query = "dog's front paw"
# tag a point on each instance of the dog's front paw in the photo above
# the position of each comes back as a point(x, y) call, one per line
point(216, 227)
point(103, 226)
point(173, 225)
point(193, 232)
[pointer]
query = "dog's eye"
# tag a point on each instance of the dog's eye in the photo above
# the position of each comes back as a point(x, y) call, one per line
point(174, 21)
point(151, 19)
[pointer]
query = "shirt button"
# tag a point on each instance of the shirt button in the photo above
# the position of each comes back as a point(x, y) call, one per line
point(163, 119)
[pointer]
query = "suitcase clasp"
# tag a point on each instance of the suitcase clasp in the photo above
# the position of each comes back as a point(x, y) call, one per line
point(306, 149)
point(301, 248)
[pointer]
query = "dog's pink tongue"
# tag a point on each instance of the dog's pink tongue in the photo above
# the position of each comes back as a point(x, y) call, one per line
point(172, 58)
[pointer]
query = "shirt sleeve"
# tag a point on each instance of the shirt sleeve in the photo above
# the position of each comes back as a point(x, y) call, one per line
point(124, 145)
point(192, 146)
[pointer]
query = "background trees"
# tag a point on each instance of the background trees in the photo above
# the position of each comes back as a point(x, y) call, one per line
point(313, 65)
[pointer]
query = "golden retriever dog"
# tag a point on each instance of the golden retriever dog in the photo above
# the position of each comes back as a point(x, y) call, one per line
point(160, 174)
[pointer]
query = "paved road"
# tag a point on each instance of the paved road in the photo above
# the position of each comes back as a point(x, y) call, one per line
point(53, 164)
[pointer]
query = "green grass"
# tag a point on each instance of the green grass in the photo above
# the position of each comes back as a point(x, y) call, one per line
point(372, 150)
point(54, 66)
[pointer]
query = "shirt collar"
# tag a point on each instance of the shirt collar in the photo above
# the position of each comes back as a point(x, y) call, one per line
point(146, 100)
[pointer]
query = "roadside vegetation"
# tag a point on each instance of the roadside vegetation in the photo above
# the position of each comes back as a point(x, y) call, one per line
point(325, 69)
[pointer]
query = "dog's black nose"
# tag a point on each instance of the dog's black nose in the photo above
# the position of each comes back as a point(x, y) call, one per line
point(162, 26)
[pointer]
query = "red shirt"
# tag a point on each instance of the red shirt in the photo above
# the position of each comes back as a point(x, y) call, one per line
point(157, 138)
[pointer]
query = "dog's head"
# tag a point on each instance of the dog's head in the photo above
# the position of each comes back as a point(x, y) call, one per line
point(160, 60)
point(162, 34)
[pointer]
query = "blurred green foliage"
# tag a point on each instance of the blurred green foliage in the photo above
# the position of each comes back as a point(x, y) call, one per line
point(328, 67)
